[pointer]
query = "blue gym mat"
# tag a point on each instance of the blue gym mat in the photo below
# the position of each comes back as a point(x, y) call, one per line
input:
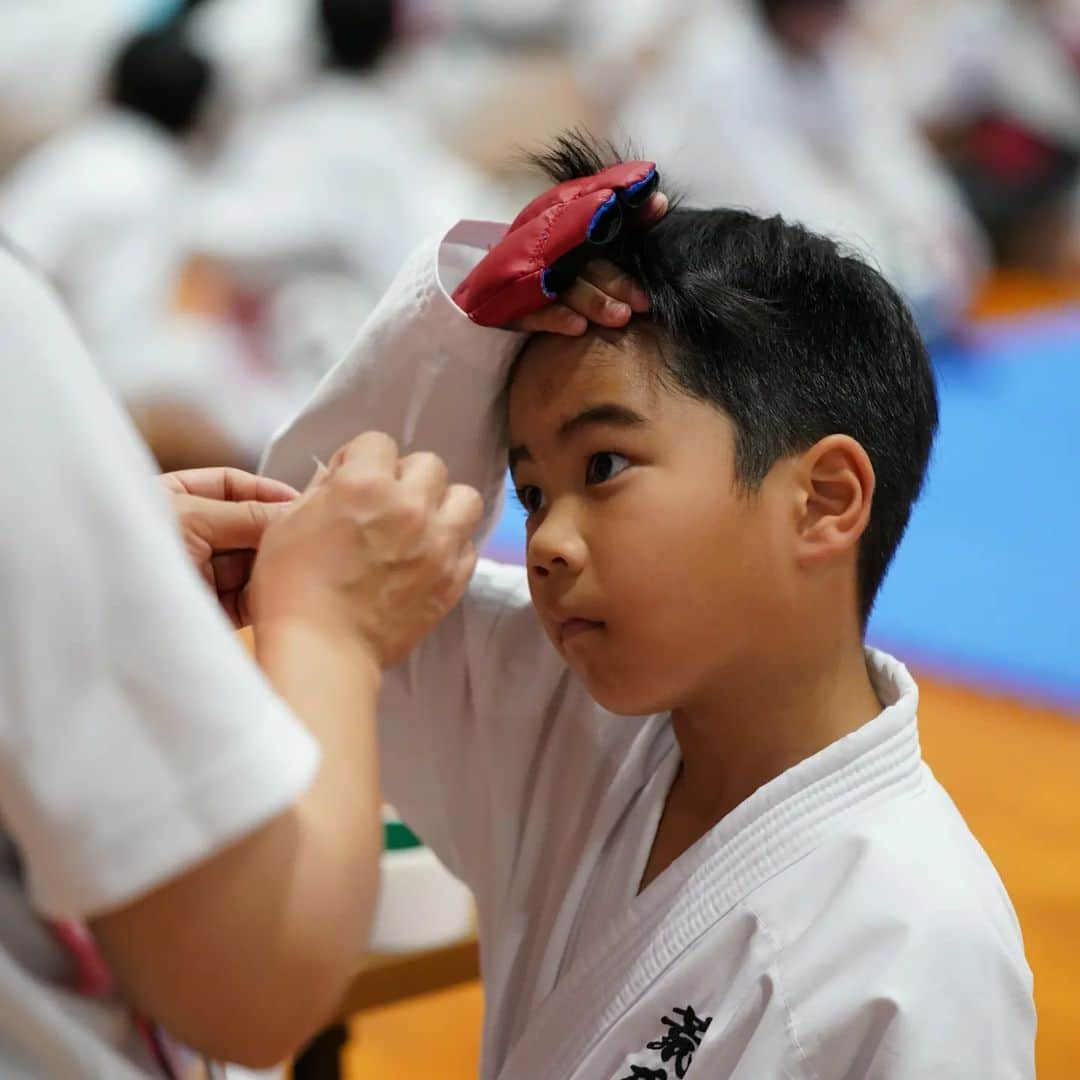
point(986, 586)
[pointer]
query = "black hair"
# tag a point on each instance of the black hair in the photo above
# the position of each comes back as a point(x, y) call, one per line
point(161, 76)
point(791, 336)
point(771, 8)
point(358, 32)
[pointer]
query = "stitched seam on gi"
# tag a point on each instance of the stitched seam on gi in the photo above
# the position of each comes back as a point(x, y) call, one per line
point(789, 1015)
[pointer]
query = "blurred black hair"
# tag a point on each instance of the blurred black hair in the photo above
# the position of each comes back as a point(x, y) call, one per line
point(771, 8)
point(792, 337)
point(160, 76)
point(358, 32)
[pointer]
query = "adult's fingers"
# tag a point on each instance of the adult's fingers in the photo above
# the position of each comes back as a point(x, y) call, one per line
point(232, 569)
point(231, 577)
point(373, 451)
point(462, 510)
point(427, 474)
point(463, 572)
point(228, 484)
point(229, 526)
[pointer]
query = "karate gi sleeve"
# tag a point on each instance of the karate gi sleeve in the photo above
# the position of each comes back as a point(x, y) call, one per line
point(461, 720)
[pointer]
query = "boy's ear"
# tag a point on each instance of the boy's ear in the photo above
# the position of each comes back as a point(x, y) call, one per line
point(836, 489)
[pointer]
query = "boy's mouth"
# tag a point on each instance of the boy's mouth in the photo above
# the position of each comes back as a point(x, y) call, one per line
point(572, 628)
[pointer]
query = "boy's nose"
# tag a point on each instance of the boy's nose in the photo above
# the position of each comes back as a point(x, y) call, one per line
point(556, 547)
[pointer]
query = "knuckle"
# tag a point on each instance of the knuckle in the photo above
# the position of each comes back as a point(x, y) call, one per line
point(598, 305)
point(603, 274)
point(361, 484)
point(378, 440)
point(412, 513)
point(430, 464)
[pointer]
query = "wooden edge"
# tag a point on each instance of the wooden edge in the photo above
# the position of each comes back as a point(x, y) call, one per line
point(385, 979)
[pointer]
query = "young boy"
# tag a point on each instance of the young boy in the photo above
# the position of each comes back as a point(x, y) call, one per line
point(699, 829)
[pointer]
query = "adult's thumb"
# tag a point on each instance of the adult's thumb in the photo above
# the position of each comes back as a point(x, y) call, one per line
point(229, 526)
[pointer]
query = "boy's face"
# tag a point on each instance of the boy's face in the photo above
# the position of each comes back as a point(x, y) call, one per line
point(654, 575)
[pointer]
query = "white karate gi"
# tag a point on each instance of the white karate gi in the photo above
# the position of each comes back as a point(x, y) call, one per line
point(52, 59)
point(96, 207)
point(953, 59)
point(103, 209)
point(735, 121)
point(340, 177)
point(316, 203)
point(841, 922)
point(262, 50)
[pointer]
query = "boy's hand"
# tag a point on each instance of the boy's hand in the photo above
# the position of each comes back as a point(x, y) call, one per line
point(548, 271)
point(601, 294)
point(376, 551)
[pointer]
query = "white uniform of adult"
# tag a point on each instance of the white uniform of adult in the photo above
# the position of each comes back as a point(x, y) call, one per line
point(736, 121)
point(136, 738)
point(841, 922)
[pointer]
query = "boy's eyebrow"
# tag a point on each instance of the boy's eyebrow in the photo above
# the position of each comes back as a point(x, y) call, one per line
point(607, 412)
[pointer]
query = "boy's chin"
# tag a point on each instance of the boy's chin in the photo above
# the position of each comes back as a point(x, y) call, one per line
point(617, 696)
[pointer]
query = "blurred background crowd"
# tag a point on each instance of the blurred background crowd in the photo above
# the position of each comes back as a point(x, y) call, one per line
point(221, 189)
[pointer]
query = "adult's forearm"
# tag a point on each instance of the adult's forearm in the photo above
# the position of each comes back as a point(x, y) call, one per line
point(246, 955)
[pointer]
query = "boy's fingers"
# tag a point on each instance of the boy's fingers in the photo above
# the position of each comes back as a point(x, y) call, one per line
point(554, 319)
point(609, 279)
point(596, 305)
point(657, 206)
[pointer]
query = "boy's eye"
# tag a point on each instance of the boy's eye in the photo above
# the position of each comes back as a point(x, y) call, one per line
point(605, 466)
point(531, 498)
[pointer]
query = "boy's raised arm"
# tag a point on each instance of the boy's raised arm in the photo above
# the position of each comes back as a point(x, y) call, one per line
point(421, 371)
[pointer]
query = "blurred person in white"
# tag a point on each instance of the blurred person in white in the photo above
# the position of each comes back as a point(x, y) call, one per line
point(182, 836)
point(775, 105)
point(262, 49)
point(99, 207)
point(996, 86)
point(314, 202)
point(52, 58)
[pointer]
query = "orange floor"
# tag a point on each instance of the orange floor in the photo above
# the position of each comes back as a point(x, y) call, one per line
point(1014, 771)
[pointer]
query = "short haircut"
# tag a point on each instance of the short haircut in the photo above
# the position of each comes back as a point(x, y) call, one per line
point(358, 32)
point(161, 76)
point(793, 337)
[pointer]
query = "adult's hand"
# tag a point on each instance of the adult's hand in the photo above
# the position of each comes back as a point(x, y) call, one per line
point(223, 514)
point(377, 550)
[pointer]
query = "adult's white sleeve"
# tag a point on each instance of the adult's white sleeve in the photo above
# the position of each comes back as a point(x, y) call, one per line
point(136, 737)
